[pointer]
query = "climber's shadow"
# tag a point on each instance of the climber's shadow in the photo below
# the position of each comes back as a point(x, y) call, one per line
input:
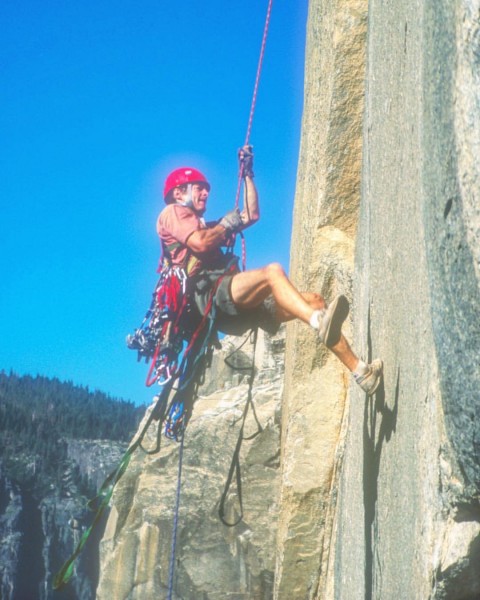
point(380, 422)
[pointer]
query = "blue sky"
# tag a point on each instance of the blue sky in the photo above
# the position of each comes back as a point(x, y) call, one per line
point(99, 101)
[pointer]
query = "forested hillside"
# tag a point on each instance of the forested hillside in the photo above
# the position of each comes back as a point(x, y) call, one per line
point(38, 414)
point(58, 443)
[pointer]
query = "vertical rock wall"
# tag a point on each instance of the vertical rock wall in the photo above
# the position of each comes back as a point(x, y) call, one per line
point(380, 499)
point(325, 216)
point(408, 516)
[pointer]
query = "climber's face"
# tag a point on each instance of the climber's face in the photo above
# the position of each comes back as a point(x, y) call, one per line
point(199, 197)
point(194, 195)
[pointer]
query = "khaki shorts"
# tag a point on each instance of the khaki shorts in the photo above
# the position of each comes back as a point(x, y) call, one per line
point(229, 318)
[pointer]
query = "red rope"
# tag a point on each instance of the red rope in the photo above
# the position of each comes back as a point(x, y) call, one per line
point(259, 70)
point(151, 377)
point(252, 112)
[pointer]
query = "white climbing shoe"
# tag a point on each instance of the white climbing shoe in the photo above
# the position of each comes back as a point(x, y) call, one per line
point(370, 381)
point(331, 321)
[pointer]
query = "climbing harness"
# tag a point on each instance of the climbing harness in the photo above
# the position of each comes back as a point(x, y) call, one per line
point(176, 339)
point(179, 348)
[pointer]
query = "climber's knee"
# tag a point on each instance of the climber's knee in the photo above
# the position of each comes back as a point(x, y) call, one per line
point(274, 272)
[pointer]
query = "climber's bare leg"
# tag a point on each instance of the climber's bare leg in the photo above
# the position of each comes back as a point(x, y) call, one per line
point(250, 288)
point(341, 349)
point(344, 352)
point(315, 301)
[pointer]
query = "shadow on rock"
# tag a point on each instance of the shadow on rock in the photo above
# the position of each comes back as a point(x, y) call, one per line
point(379, 423)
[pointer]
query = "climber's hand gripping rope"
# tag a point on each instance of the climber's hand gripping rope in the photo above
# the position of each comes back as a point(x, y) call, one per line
point(245, 161)
point(232, 221)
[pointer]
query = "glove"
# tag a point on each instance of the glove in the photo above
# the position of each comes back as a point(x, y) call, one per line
point(245, 160)
point(232, 221)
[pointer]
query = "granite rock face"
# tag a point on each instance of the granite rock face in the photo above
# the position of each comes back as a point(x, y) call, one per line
point(38, 534)
point(379, 497)
point(212, 560)
point(322, 258)
point(408, 520)
point(10, 534)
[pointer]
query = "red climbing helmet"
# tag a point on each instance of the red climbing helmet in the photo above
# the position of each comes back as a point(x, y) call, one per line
point(182, 176)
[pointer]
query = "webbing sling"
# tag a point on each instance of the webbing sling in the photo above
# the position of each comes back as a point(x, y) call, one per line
point(235, 469)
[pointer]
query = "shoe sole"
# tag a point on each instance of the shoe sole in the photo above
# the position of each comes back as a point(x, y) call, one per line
point(341, 308)
point(372, 391)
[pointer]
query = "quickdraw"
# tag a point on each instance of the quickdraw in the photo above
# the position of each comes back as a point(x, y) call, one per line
point(160, 337)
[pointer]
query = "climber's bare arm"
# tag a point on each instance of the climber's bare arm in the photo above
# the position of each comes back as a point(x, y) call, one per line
point(251, 210)
point(204, 240)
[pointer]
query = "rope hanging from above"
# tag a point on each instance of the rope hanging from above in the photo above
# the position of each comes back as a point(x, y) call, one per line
point(259, 70)
point(252, 112)
point(255, 92)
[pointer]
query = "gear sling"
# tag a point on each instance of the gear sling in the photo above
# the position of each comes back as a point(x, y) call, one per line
point(172, 320)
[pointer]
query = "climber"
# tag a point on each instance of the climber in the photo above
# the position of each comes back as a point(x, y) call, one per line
point(262, 297)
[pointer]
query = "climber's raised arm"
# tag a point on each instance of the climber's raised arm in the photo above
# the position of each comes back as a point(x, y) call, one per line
point(251, 209)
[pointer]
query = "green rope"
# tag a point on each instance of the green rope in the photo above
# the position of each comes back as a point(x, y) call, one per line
point(105, 494)
point(188, 368)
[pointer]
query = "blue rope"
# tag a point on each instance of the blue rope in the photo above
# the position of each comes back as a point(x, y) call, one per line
point(171, 569)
